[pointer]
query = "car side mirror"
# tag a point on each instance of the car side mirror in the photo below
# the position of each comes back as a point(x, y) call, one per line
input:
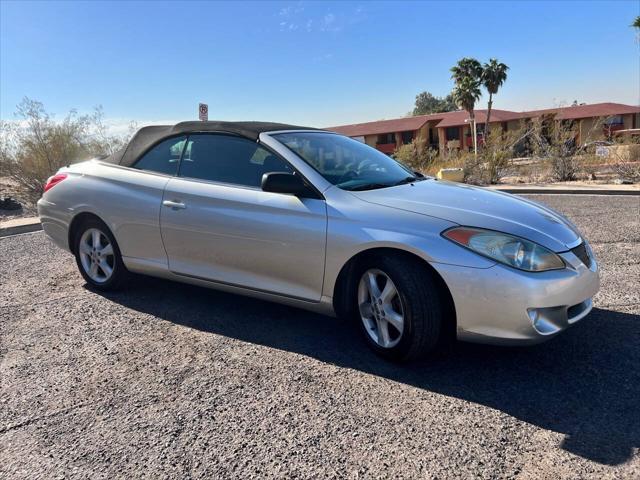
point(282, 182)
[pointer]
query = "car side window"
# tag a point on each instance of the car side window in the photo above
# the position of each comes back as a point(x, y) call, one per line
point(229, 159)
point(164, 157)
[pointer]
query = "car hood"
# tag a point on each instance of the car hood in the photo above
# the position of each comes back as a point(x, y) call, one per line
point(479, 207)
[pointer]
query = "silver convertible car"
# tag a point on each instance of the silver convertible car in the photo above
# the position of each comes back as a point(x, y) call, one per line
point(317, 220)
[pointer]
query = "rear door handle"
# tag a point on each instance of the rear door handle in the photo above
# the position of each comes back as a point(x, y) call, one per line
point(174, 205)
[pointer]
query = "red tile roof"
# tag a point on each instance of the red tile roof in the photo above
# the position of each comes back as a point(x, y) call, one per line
point(453, 119)
point(386, 126)
point(584, 111)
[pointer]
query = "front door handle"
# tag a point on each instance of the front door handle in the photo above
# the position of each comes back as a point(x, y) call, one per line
point(174, 205)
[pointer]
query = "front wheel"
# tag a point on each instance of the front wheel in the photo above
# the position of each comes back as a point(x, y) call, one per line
point(98, 256)
point(399, 308)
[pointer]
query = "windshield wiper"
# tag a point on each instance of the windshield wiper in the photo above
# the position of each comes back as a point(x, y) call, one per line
point(367, 186)
point(406, 180)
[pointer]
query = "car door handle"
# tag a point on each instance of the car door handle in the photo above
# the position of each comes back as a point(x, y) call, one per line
point(174, 205)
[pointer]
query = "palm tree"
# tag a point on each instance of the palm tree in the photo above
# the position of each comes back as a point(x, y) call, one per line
point(494, 75)
point(466, 68)
point(636, 22)
point(466, 93)
point(466, 74)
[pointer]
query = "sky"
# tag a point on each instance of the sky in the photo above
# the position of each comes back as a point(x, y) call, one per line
point(310, 63)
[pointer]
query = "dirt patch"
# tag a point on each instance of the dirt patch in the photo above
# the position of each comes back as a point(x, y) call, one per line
point(10, 188)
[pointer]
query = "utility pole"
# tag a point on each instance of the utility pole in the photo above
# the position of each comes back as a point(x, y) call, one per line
point(475, 138)
point(472, 127)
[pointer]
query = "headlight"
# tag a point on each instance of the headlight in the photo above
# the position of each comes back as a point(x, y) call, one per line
point(504, 248)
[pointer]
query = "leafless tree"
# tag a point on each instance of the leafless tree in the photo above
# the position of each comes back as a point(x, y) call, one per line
point(36, 145)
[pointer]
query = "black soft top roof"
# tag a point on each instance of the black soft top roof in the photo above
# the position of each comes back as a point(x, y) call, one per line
point(146, 137)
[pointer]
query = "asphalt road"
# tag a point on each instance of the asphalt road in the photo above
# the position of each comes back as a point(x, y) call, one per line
point(168, 381)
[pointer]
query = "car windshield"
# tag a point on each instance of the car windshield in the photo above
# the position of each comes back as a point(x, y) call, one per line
point(347, 163)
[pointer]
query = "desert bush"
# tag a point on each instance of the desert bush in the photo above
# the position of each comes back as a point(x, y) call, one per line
point(485, 168)
point(416, 155)
point(628, 172)
point(36, 146)
point(624, 160)
point(564, 169)
point(494, 158)
point(473, 168)
point(554, 141)
point(449, 161)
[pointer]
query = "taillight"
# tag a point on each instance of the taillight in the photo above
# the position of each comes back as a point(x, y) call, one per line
point(54, 180)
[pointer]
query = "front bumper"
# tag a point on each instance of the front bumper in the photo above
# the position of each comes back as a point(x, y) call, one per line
point(505, 306)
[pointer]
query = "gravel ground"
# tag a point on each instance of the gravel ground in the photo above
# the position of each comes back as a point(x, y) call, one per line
point(169, 381)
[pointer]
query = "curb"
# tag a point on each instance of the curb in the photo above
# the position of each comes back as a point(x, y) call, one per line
point(573, 191)
point(22, 225)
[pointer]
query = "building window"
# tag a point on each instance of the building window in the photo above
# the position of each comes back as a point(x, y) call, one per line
point(386, 138)
point(407, 137)
point(616, 120)
point(453, 133)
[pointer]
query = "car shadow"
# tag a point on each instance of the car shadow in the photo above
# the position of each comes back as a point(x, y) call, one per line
point(584, 384)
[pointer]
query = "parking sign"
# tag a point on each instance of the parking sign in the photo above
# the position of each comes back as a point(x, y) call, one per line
point(203, 112)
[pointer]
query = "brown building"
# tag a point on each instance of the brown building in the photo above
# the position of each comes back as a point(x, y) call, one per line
point(452, 130)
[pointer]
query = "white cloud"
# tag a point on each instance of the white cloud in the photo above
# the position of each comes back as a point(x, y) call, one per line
point(329, 24)
point(289, 16)
point(295, 17)
point(291, 10)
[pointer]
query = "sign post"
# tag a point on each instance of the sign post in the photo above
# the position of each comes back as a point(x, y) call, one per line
point(203, 112)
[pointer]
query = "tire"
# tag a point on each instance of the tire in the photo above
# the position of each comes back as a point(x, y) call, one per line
point(102, 268)
point(417, 299)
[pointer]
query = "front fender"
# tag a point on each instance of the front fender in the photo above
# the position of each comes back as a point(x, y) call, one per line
point(351, 234)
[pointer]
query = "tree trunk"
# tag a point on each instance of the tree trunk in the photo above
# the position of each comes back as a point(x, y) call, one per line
point(486, 125)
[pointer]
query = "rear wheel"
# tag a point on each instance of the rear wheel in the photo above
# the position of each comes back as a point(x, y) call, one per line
point(399, 308)
point(98, 256)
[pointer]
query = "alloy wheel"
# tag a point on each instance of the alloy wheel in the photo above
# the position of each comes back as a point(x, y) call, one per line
point(381, 309)
point(96, 255)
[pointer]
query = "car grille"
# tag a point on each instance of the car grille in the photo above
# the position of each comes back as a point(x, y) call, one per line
point(582, 253)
